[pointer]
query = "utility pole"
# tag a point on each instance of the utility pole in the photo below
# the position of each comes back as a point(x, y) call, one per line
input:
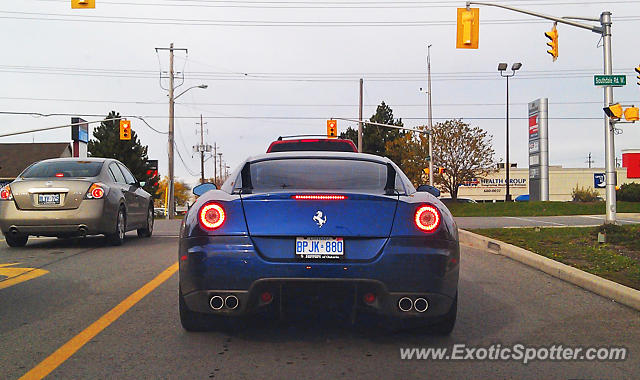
point(202, 148)
point(215, 165)
point(171, 207)
point(589, 160)
point(220, 154)
point(360, 118)
point(430, 115)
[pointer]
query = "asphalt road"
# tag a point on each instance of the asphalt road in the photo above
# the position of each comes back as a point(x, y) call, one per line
point(472, 222)
point(501, 301)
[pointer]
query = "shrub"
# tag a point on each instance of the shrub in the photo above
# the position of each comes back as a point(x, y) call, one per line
point(629, 192)
point(584, 194)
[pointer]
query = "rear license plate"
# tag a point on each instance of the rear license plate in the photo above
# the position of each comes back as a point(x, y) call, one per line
point(48, 199)
point(319, 247)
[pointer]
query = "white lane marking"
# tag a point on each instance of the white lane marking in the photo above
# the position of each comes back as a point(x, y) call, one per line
point(599, 217)
point(535, 221)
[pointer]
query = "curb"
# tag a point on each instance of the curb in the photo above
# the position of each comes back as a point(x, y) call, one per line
point(606, 288)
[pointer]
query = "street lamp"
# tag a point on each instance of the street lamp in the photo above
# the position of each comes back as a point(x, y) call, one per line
point(502, 67)
point(171, 207)
point(428, 91)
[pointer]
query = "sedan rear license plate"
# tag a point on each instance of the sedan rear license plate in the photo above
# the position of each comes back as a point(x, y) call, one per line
point(319, 247)
point(48, 199)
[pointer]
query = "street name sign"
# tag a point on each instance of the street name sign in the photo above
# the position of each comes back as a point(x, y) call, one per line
point(610, 80)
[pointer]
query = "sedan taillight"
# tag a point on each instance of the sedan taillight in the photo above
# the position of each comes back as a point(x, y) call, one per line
point(427, 218)
point(5, 193)
point(211, 216)
point(96, 191)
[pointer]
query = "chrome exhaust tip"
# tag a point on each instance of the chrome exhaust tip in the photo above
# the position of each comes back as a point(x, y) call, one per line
point(405, 304)
point(421, 305)
point(231, 302)
point(216, 302)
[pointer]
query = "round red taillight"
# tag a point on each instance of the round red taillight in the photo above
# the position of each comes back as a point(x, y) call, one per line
point(97, 193)
point(369, 298)
point(5, 194)
point(266, 297)
point(427, 218)
point(212, 216)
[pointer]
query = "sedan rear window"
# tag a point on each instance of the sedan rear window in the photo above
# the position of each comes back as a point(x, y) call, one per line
point(311, 145)
point(318, 174)
point(46, 169)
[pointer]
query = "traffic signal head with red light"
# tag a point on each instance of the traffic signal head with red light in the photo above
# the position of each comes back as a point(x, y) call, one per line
point(552, 35)
point(125, 129)
point(332, 129)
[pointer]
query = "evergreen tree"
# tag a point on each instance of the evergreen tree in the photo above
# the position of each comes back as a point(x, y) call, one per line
point(107, 144)
point(375, 138)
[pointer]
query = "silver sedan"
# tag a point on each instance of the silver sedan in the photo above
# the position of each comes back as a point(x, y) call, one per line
point(67, 197)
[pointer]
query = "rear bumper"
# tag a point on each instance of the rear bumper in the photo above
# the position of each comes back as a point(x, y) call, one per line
point(90, 218)
point(407, 267)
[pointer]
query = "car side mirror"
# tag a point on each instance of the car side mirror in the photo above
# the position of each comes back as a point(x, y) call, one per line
point(203, 188)
point(429, 189)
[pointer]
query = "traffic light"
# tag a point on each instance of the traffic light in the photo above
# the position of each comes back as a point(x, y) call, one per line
point(614, 111)
point(125, 129)
point(631, 114)
point(426, 171)
point(468, 26)
point(441, 170)
point(638, 76)
point(553, 36)
point(83, 4)
point(332, 129)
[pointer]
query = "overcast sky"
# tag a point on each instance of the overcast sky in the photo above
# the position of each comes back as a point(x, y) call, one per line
point(283, 67)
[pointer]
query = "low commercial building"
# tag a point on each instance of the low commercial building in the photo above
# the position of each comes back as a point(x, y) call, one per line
point(562, 181)
point(15, 157)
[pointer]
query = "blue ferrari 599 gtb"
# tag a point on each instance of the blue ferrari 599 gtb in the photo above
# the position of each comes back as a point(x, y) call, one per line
point(349, 225)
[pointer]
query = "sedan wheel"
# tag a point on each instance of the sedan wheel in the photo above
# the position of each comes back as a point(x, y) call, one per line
point(148, 230)
point(17, 240)
point(117, 238)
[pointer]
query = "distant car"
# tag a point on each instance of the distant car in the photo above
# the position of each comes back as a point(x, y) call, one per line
point(318, 228)
point(522, 198)
point(458, 200)
point(308, 144)
point(66, 197)
point(160, 211)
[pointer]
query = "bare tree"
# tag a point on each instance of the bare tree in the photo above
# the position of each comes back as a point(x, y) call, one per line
point(465, 153)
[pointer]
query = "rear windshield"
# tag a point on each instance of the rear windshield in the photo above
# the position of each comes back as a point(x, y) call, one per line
point(324, 145)
point(318, 174)
point(70, 169)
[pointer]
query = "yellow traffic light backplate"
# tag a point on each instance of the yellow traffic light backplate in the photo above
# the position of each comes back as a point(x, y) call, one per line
point(468, 26)
point(83, 4)
point(614, 111)
point(332, 129)
point(631, 114)
point(125, 129)
point(552, 35)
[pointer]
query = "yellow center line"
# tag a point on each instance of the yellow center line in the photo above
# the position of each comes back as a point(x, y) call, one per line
point(63, 353)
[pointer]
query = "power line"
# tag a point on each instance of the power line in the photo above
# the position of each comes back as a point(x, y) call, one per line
point(40, 16)
point(328, 4)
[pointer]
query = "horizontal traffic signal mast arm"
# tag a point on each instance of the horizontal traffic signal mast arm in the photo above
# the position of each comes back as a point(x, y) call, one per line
point(593, 28)
point(382, 125)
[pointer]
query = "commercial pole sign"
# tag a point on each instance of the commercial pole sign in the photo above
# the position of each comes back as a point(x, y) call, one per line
point(80, 137)
point(538, 150)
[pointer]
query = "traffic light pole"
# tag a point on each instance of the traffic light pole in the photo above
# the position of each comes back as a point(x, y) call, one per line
point(430, 115)
point(605, 31)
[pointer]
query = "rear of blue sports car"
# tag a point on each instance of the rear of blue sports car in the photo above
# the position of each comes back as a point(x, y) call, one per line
point(342, 228)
